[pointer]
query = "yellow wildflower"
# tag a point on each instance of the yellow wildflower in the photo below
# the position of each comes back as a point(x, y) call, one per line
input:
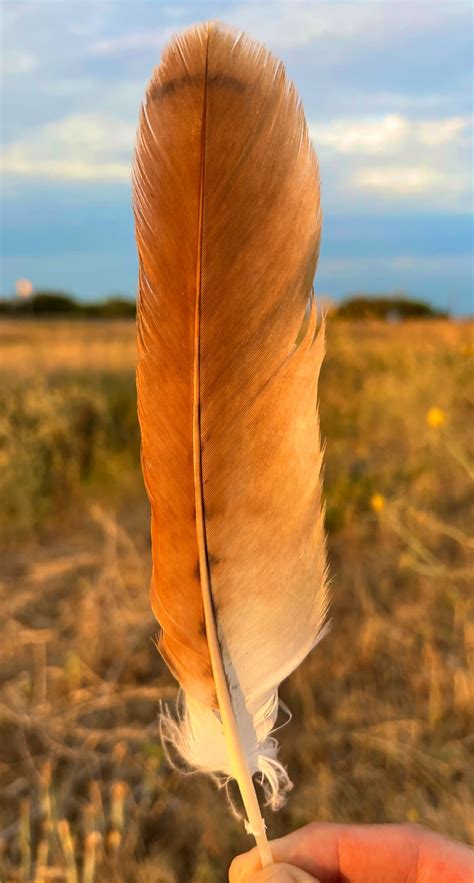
point(435, 418)
point(377, 501)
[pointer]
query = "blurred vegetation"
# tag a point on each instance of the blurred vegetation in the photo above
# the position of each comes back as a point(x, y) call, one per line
point(44, 304)
point(392, 308)
point(382, 725)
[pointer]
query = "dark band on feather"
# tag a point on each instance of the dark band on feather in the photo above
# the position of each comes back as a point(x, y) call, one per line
point(159, 91)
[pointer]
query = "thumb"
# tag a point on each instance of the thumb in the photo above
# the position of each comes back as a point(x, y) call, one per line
point(246, 869)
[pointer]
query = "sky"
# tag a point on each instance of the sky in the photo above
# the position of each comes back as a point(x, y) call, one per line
point(386, 88)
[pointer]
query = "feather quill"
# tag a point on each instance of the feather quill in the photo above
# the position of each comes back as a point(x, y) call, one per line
point(227, 215)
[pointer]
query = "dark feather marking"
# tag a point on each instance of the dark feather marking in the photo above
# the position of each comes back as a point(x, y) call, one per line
point(159, 91)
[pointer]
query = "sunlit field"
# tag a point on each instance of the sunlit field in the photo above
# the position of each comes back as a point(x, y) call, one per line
point(381, 727)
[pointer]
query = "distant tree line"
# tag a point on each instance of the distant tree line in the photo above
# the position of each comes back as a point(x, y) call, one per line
point(394, 308)
point(60, 303)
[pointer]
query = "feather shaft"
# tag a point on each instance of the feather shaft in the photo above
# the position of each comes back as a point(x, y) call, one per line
point(238, 759)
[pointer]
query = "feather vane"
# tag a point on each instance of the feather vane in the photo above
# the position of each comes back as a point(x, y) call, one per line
point(227, 213)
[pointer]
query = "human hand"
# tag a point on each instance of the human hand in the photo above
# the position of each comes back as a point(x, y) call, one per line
point(324, 853)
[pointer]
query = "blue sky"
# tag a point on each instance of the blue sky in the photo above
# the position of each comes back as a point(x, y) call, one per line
point(386, 90)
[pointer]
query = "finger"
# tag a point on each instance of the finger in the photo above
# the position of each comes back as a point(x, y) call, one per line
point(371, 853)
point(360, 853)
point(247, 869)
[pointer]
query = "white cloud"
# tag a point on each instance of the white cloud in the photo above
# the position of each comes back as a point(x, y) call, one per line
point(437, 132)
point(361, 136)
point(78, 147)
point(17, 63)
point(134, 41)
point(67, 170)
point(392, 157)
point(388, 134)
point(400, 180)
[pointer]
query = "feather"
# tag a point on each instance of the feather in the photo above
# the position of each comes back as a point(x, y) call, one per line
point(227, 215)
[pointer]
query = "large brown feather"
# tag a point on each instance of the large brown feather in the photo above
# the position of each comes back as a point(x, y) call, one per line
point(228, 227)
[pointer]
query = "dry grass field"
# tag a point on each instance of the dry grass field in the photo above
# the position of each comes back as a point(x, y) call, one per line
point(381, 728)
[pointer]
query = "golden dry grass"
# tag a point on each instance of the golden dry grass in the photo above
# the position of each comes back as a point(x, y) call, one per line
point(30, 347)
point(382, 725)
